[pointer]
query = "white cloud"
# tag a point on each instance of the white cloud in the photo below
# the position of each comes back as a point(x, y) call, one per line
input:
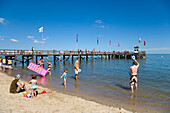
point(98, 21)
point(101, 26)
point(13, 40)
point(3, 21)
point(101, 35)
point(37, 42)
point(1, 37)
point(30, 36)
point(44, 39)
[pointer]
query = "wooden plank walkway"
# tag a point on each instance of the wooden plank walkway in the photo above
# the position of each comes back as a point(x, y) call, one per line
point(57, 55)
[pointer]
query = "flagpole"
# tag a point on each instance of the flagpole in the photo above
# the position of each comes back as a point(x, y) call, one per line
point(42, 40)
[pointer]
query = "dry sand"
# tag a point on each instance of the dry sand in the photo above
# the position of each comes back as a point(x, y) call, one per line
point(48, 102)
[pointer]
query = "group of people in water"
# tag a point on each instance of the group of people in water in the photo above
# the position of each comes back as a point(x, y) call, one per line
point(17, 86)
point(5, 63)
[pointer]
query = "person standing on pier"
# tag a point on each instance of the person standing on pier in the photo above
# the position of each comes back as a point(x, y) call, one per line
point(76, 65)
point(133, 74)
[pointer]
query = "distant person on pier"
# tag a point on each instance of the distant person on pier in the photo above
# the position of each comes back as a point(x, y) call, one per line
point(133, 74)
point(49, 67)
point(32, 50)
point(76, 65)
point(17, 86)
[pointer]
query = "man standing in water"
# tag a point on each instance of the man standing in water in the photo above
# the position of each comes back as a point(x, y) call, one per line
point(133, 74)
point(76, 65)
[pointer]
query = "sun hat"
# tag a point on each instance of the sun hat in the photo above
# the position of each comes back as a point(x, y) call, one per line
point(17, 76)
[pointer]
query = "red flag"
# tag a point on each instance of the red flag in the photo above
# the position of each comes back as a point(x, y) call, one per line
point(110, 42)
point(118, 44)
point(144, 42)
point(77, 38)
point(97, 40)
point(139, 40)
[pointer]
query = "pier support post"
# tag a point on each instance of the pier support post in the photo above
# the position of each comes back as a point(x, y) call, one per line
point(69, 57)
point(97, 57)
point(32, 58)
point(86, 57)
point(28, 60)
point(54, 59)
point(109, 57)
point(64, 57)
point(15, 60)
point(36, 59)
point(105, 56)
point(72, 57)
point(22, 61)
point(119, 56)
point(59, 58)
point(91, 57)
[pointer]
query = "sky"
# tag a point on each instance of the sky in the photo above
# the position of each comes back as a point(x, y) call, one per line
point(118, 21)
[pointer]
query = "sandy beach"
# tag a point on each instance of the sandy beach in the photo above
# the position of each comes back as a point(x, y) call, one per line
point(48, 102)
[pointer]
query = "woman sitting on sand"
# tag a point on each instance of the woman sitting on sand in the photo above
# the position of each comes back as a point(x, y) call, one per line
point(16, 86)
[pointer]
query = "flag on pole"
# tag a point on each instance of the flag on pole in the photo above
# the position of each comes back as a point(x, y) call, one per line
point(40, 29)
point(97, 40)
point(144, 42)
point(77, 38)
point(139, 40)
point(110, 42)
point(118, 44)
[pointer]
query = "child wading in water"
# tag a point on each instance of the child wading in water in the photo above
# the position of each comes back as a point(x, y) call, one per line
point(33, 83)
point(64, 76)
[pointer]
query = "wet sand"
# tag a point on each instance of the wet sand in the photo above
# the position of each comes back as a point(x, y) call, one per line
point(48, 102)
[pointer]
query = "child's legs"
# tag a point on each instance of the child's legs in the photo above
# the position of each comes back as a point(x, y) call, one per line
point(35, 92)
point(65, 82)
point(32, 92)
point(136, 85)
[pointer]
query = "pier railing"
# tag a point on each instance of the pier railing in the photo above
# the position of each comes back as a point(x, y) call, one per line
point(61, 52)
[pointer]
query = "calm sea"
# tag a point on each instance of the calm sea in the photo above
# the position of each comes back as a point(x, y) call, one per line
point(109, 79)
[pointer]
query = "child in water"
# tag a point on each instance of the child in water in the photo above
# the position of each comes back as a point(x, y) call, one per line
point(33, 83)
point(64, 76)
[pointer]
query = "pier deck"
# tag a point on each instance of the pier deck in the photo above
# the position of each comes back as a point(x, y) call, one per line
point(28, 55)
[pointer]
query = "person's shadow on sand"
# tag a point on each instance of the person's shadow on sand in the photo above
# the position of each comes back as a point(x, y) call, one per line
point(123, 87)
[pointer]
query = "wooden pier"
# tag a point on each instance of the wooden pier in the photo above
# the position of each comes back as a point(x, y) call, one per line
point(29, 55)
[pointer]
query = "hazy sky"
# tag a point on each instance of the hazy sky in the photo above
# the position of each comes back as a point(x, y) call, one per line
point(123, 21)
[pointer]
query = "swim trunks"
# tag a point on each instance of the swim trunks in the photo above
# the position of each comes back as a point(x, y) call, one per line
point(133, 79)
point(76, 72)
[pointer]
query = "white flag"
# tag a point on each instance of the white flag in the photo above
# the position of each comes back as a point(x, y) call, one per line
point(40, 29)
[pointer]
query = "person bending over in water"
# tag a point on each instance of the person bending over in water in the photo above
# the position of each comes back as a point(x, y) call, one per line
point(49, 67)
point(76, 65)
point(133, 74)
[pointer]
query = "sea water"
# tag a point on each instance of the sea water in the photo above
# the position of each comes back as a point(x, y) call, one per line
point(109, 79)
